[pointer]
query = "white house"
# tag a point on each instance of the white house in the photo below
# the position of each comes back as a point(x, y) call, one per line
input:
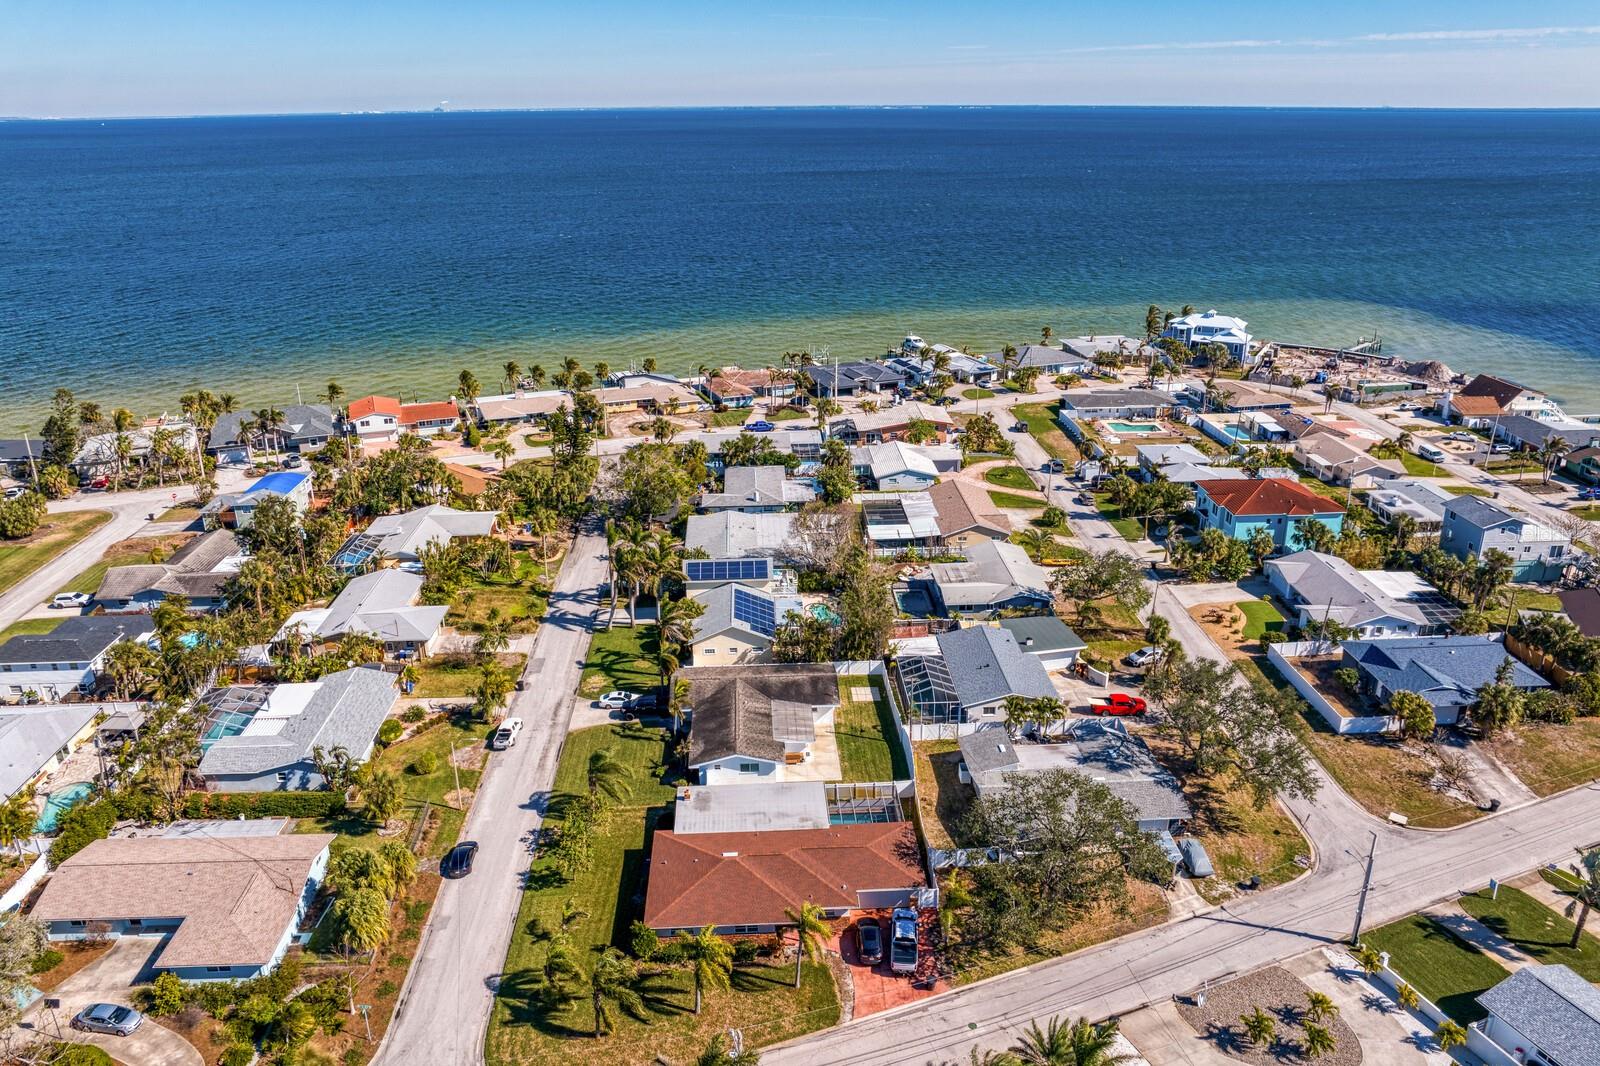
point(383, 605)
point(1544, 1015)
point(1208, 327)
point(1375, 603)
point(750, 724)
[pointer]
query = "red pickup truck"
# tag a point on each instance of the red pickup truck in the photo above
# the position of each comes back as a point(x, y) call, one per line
point(1118, 703)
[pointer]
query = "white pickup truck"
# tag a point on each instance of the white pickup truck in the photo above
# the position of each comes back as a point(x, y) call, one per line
point(505, 734)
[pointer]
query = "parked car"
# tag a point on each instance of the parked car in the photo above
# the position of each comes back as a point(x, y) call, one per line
point(1118, 703)
point(506, 735)
point(99, 484)
point(616, 701)
point(644, 704)
point(903, 941)
point(14, 491)
point(70, 599)
point(869, 941)
point(291, 462)
point(1144, 656)
point(1019, 427)
point(1465, 438)
point(1589, 494)
point(457, 862)
point(760, 425)
point(110, 1018)
point(1054, 466)
point(1500, 449)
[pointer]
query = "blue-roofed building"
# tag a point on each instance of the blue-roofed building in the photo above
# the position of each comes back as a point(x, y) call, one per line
point(236, 510)
point(1445, 671)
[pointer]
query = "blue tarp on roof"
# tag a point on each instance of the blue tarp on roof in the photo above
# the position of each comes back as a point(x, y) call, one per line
point(282, 481)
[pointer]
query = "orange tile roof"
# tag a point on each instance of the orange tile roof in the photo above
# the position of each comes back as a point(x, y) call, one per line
point(1464, 404)
point(751, 878)
point(369, 405)
point(1268, 496)
point(413, 413)
point(729, 387)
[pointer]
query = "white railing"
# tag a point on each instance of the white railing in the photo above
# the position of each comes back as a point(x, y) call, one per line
point(1477, 1042)
point(1280, 654)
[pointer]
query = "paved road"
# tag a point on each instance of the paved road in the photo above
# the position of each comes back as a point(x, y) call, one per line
point(444, 1008)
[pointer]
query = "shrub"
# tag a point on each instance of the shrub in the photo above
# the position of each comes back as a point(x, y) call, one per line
point(79, 1055)
point(671, 953)
point(390, 731)
point(48, 959)
point(1548, 705)
point(353, 1057)
point(645, 941)
point(414, 714)
point(387, 988)
point(231, 805)
point(425, 764)
point(166, 995)
point(80, 827)
point(1349, 679)
point(746, 950)
point(238, 1055)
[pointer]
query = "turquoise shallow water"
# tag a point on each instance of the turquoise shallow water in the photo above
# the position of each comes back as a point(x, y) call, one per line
point(141, 258)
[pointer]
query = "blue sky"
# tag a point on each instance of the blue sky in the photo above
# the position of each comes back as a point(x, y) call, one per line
point(171, 57)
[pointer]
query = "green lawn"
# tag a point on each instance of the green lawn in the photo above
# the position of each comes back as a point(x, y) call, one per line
point(1041, 422)
point(619, 658)
point(786, 413)
point(1259, 617)
point(865, 728)
point(1010, 477)
point(1535, 929)
point(452, 675)
point(727, 419)
point(1449, 971)
point(1130, 528)
point(1012, 499)
point(1588, 512)
point(33, 625)
point(184, 512)
point(976, 393)
point(609, 893)
point(1467, 490)
point(1512, 466)
point(58, 532)
point(516, 596)
point(1417, 466)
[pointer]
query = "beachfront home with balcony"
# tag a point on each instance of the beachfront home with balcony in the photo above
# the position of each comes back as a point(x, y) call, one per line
point(1474, 525)
point(1209, 327)
point(1277, 505)
point(1486, 398)
point(305, 427)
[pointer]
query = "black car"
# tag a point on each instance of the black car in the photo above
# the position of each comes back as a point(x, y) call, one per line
point(645, 704)
point(458, 860)
point(869, 939)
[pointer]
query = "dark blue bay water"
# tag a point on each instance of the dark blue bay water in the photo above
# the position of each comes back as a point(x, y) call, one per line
point(141, 258)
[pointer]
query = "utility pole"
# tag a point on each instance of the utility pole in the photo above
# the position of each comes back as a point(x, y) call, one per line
point(33, 466)
point(455, 771)
point(1366, 885)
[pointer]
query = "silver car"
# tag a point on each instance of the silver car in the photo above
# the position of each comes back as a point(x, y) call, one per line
point(108, 1018)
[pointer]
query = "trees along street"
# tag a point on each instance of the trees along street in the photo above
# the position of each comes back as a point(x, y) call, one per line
point(444, 1007)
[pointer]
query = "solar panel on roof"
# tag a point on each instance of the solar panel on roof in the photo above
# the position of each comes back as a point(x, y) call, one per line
point(728, 569)
point(755, 611)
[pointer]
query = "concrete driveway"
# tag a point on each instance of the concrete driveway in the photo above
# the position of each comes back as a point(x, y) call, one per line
point(109, 979)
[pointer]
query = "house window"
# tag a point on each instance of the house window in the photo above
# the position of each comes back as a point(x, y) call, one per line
point(77, 924)
point(218, 969)
point(747, 929)
point(749, 768)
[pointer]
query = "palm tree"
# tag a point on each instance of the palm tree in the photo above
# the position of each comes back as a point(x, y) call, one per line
point(512, 371)
point(602, 370)
point(1586, 894)
point(536, 374)
point(1034, 542)
point(1317, 1041)
point(1320, 1007)
point(467, 386)
point(1045, 333)
point(1551, 456)
point(1405, 527)
point(17, 817)
point(717, 1054)
point(503, 450)
point(662, 429)
point(269, 423)
point(712, 958)
point(333, 393)
point(810, 930)
point(1449, 1035)
point(1259, 1027)
point(605, 775)
point(493, 639)
point(611, 981)
point(409, 676)
point(674, 627)
point(1082, 1043)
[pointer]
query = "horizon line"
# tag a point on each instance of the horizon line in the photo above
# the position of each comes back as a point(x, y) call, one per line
point(584, 108)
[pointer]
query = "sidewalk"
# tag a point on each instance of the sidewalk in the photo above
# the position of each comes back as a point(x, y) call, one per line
point(1452, 917)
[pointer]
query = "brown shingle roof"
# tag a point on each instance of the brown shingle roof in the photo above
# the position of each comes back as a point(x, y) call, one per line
point(725, 879)
point(733, 705)
point(724, 386)
point(1498, 389)
point(962, 505)
point(236, 896)
point(1464, 404)
point(1268, 496)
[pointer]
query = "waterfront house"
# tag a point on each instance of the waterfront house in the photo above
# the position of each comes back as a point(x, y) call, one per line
point(756, 489)
point(738, 624)
point(384, 418)
point(1116, 403)
point(305, 427)
point(404, 537)
point(199, 572)
point(520, 406)
point(1486, 398)
point(1525, 431)
point(69, 659)
point(1129, 349)
point(1209, 327)
point(855, 379)
point(1423, 501)
point(1239, 397)
point(1374, 603)
point(1474, 525)
point(769, 384)
point(1543, 1015)
point(969, 679)
point(19, 458)
point(382, 605)
point(1046, 638)
point(966, 515)
point(36, 738)
point(725, 392)
point(1445, 671)
point(1104, 751)
point(102, 455)
point(892, 423)
point(748, 883)
point(996, 575)
point(236, 510)
point(893, 465)
point(755, 723)
point(1046, 359)
point(263, 738)
point(1276, 505)
point(227, 903)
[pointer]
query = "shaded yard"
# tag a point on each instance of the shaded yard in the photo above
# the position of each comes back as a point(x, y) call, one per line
point(620, 658)
point(1147, 907)
point(942, 799)
point(1130, 528)
point(1438, 964)
point(1536, 930)
point(868, 750)
point(58, 532)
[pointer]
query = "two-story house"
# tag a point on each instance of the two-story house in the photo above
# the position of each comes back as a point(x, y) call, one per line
point(68, 659)
point(1277, 505)
point(1208, 327)
point(1473, 525)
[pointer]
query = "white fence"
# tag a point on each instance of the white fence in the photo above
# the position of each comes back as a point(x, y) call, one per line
point(1480, 1045)
point(876, 668)
point(1280, 654)
point(18, 892)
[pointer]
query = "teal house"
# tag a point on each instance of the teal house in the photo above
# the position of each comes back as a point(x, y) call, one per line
point(1274, 504)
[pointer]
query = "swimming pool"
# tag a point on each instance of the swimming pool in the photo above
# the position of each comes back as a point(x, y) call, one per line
point(823, 613)
point(1133, 427)
point(1235, 432)
point(59, 803)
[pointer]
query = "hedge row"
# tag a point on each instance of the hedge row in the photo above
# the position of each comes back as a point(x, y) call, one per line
point(263, 805)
